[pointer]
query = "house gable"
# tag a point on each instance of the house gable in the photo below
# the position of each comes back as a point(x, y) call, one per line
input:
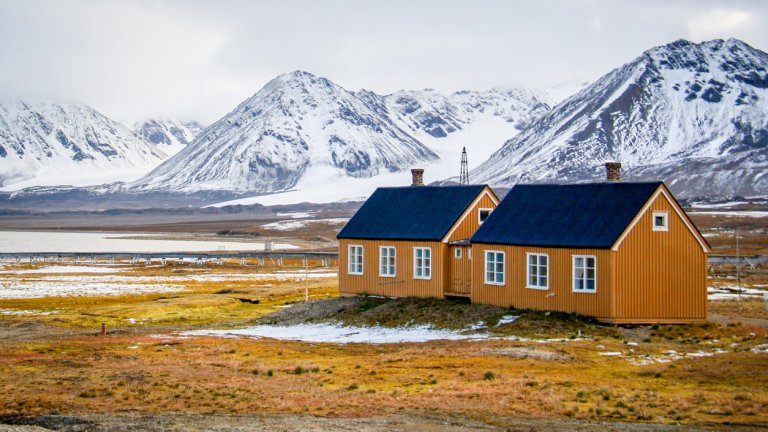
point(468, 223)
point(411, 213)
point(663, 193)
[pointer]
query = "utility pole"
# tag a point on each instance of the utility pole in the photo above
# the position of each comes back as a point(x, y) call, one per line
point(464, 176)
point(738, 267)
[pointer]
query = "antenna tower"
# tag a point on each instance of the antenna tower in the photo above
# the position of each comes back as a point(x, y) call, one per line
point(464, 176)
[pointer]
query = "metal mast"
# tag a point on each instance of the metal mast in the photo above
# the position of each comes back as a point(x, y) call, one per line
point(464, 176)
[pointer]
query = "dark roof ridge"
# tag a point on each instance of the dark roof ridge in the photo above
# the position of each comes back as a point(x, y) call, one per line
point(604, 182)
point(574, 215)
point(410, 212)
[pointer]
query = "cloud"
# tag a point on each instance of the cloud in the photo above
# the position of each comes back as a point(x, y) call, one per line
point(718, 23)
point(134, 59)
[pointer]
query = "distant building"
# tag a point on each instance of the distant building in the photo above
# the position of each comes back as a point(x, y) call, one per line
point(620, 252)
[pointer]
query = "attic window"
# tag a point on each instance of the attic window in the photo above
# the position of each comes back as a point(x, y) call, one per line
point(457, 253)
point(482, 214)
point(660, 221)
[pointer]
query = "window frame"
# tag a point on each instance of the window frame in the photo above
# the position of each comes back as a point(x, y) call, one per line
point(457, 253)
point(350, 261)
point(480, 220)
point(503, 271)
point(392, 264)
point(538, 276)
point(585, 279)
point(665, 217)
point(416, 267)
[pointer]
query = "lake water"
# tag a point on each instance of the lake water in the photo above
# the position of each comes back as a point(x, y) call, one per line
point(36, 241)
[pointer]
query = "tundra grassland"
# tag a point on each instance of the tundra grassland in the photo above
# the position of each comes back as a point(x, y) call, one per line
point(545, 367)
point(54, 360)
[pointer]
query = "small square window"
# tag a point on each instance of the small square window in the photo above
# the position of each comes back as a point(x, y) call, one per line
point(660, 221)
point(457, 253)
point(482, 214)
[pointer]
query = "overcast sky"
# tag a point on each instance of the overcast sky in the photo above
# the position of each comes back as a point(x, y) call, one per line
point(133, 60)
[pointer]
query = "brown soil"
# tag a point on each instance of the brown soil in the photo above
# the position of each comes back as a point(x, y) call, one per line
point(292, 422)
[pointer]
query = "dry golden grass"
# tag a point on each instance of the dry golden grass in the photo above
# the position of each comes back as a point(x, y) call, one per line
point(151, 370)
point(721, 233)
point(746, 308)
point(204, 375)
point(198, 302)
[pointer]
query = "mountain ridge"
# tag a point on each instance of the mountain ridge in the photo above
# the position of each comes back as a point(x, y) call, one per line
point(50, 139)
point(694, 115)
point(303, 128)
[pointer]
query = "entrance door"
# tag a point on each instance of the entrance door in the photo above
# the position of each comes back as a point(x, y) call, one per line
point(461, 271)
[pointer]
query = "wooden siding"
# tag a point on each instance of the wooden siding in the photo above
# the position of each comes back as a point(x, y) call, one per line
point(661, 275)
point(403, 284)
point(460, 278)
point(469, 224)
point(559, 296)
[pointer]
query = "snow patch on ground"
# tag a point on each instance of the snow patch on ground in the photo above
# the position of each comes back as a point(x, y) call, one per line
point(507, 319)
point(260, 276)
point(732, 292)
point(337, 333)
point(67, 269)
point(670, 356)
point(732, 213)
point(32, 241)
point(26, 312)
point(78, 286)
point(296, 215)
point(288, 225)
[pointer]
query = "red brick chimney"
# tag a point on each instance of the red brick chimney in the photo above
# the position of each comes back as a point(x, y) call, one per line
point(613, 171)
point(418, 177)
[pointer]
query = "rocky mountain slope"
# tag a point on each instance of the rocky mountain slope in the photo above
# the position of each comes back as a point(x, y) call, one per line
point(67, 141)
point(693, 115)
point(171, 136)
point(301, 130)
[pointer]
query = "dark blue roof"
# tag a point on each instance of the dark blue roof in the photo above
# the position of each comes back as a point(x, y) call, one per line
point(575, 215)
point(410, 213)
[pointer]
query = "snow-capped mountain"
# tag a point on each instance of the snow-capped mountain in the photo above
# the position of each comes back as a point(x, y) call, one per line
point(693, 115)
point(57, 142)
point(298, 122)
point(171, 136)
point(439, 115)
point(302, 131)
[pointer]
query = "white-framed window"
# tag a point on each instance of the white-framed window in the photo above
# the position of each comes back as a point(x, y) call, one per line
point(469, 253)
point(482, 214)
point(494, 267)
point(457, 253)
point(538, 271)
point(387, 261)
point(584, 273)
point(355, 264)
point(422, 263)
point(660, 221)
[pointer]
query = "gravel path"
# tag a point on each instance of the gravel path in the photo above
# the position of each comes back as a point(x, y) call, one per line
point(291, 422)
